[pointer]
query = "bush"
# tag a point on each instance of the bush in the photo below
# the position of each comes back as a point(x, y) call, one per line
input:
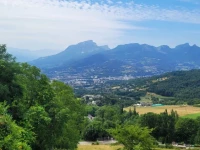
point(95, 143)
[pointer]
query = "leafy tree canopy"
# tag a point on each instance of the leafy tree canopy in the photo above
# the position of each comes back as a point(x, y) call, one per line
point(133, 137)
point(41, 114)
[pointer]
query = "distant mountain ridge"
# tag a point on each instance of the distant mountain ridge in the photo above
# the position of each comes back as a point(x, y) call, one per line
point(86, 59)
point(72, 53)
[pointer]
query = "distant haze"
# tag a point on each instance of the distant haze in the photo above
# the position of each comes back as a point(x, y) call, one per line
point(25, 55)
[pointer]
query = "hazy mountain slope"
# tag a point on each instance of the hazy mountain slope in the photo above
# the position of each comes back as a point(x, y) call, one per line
point(72, 53)
point(23, 55)
point(87, 59)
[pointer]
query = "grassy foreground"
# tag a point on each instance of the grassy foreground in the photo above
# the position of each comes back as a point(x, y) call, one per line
point(105, 147)
point(98, 147)
point(192, 116)
point(181, 110)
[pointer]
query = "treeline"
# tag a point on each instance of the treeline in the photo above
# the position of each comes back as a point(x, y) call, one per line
point(36, 113)
point(166, 127)
point(180, 84)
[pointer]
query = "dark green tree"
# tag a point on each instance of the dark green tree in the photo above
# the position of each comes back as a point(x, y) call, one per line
point(39, 108)
point(9, 89)
point(133, 137)
point(197, 137)
point(94, 130)
point(186, 130)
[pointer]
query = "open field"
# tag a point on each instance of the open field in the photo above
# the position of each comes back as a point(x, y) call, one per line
point(148, 97)
point(181, 110)
point(106, 147)
point(192, 116)
point(98, 147)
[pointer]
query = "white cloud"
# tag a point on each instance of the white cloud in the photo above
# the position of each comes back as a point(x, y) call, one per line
point(57, 23)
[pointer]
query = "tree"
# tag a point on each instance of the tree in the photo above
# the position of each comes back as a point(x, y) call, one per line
point(9, 89)
point(151, 120)
point(133, 137)
point(67, 117)
point(197, 137)
point(163, 125)
point(94, 130)
point(130, 117)
point(186, 130)
point(13, 136)
point(106, 117)
point(111, 113)
point(50, 110)
point(91, 109)
point(39, 109)
point(4, 55)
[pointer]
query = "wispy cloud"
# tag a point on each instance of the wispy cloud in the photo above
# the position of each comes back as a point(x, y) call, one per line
point(60, 23)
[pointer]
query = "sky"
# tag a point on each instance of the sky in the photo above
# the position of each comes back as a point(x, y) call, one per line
point(56, 24)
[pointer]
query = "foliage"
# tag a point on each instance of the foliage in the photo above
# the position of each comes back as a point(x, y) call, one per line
point(163, 125)
point(9, 89)
point(13, 136)
point(91, 109)
point(106, 117)
point(67, 117)
point(43, 114)
point(93, 131)
point(178, 87)
point(181, 84)
point(133, 137)
point(186, 130)
point(197, 137)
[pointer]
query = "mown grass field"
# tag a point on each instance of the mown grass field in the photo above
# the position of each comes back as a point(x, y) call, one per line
point(192, 116)
point(98, 147)
point(188, 111)
point(105, 147)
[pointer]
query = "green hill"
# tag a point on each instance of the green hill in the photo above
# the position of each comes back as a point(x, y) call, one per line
point(181, 85)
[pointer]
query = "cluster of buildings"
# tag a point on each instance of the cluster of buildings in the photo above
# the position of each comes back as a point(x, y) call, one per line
point(79, 80)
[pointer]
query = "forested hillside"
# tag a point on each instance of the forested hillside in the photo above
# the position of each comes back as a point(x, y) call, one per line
point(35, 113)
point(182, 85)
point(179, 87)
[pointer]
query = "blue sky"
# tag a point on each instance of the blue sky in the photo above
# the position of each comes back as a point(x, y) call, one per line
point(56, 24)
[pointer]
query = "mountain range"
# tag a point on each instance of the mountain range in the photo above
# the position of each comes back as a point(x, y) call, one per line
point(87, 59)
point(71, 54)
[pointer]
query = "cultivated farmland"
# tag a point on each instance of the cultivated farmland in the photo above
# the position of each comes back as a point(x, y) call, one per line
point(182, 110)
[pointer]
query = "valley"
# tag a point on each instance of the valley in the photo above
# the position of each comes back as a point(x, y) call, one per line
point(99, 74)
point(86, 64)
point(160, 108)
point(174, 88)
